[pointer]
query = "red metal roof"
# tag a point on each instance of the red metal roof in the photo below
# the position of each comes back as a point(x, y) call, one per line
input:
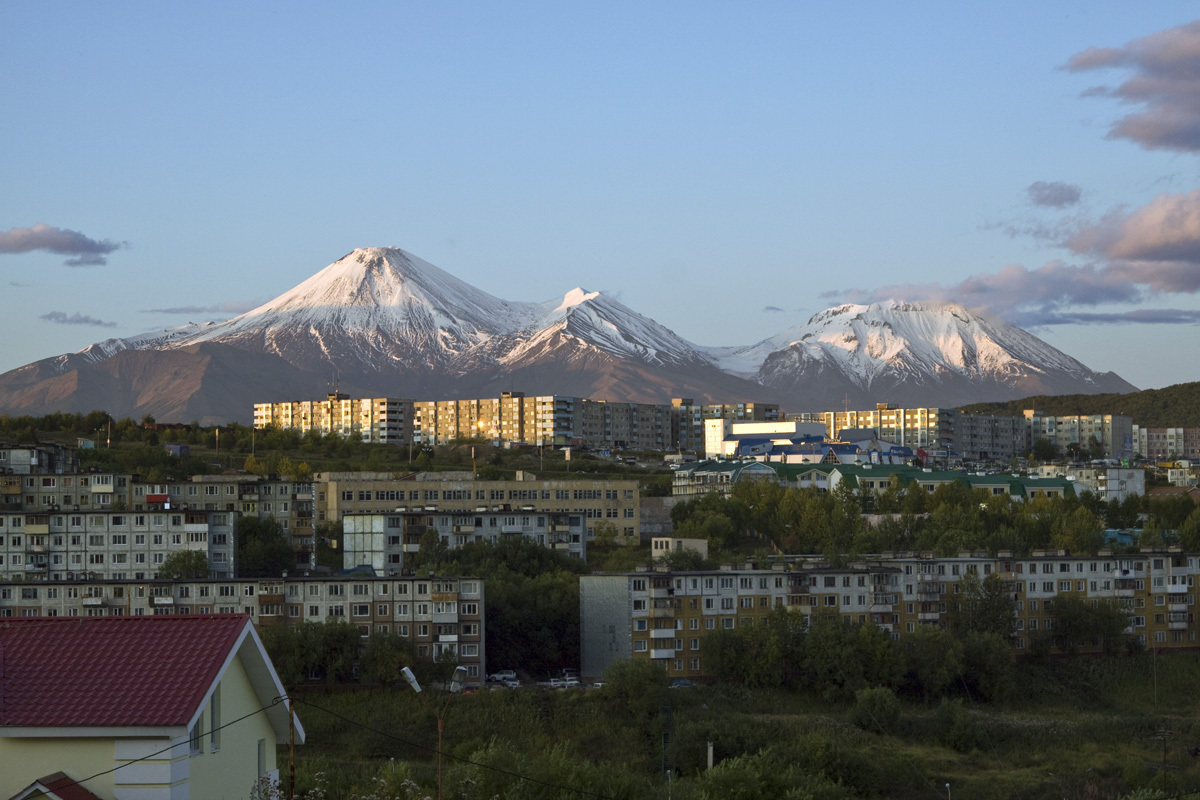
point(58, 786)
point(110, 671)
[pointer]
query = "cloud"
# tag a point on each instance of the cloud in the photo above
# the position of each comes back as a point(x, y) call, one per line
point(62, 318)
point(87, 252)
point(1053, 194)
point(1165, 83)
point(773, 309)
point(1156, 316)
point(1165, 232)
point(1131, 257)
point(219, 308)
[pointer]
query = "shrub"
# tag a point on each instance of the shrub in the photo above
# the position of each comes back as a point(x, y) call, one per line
point(876, 709)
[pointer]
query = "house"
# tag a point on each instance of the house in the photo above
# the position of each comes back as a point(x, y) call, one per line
point(176, 706)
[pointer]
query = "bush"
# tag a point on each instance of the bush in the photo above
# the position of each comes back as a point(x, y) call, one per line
point(876, 709)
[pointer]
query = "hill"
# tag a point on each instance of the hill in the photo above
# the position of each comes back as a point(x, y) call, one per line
point(1175, 406)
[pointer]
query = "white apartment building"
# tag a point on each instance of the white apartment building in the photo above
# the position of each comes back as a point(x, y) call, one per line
point(384, 542)
point(110, 545)
point(442, 616)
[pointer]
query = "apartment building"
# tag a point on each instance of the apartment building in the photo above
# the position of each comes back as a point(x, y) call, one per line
point(385, 542)
point(37, 459)
point(1114, 432)
point(378, 420)
point(288, 502)
point(1107, 483)
point(443, 616)
point(595, 502)
point(117, 545)
point(78, 491)
point(917, 428)
point(664, 615)
point(544, 420)
point(1167, 444)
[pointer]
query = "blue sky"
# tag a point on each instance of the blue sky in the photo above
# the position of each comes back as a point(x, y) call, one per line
point(727, 171)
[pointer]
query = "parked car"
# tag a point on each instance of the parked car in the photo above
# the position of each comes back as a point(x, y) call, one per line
point(682, 683)
point(503, 675)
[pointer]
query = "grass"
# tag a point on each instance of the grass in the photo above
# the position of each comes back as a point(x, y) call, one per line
point(1098, 738)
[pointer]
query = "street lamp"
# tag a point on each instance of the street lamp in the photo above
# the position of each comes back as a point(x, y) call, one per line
point(460, 673)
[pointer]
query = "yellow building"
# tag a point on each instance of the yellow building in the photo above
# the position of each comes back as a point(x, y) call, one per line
point(148, 707)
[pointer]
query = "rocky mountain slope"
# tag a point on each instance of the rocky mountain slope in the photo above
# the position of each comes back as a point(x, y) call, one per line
point(381, 321)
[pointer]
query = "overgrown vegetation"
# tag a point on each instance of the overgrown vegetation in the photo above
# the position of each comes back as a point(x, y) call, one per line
point(1079, 728)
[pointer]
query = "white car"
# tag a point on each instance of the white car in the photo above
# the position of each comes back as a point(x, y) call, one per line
point(503, 676)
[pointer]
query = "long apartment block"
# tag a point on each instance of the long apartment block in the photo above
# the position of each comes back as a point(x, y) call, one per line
point(110, 545)
point(664, 616)
point(498, 504)
point(544, 420)
point(442, 616)
point(385, 542)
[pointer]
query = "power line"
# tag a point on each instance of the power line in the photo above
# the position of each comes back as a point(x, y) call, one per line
point(170, 747)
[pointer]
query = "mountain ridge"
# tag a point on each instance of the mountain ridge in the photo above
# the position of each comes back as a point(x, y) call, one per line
point(383, 322)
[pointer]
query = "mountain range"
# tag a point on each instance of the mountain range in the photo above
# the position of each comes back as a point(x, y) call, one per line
point(382, 322)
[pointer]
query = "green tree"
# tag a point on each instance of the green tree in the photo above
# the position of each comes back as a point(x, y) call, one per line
point(1078, 623)
point(431, 552)
point(981, 606)
point(935, 659)
point(263, 550)
point(185, 564)
point(1079, 532)
point(1044, 449)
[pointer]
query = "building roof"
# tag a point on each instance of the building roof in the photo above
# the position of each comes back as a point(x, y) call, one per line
point(58, 786)
point(1160, 492)
point(117, 672)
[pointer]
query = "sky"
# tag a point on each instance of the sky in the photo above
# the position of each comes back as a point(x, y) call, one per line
point(725, 169)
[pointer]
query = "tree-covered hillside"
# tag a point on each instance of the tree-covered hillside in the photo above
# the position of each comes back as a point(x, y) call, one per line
point(1171, 406)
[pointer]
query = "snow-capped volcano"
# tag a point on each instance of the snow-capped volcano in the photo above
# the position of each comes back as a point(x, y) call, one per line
point(939, 351)
point(385, 322)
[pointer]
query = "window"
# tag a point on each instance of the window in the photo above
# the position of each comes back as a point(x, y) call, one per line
point(214, 713)
point(639, 646)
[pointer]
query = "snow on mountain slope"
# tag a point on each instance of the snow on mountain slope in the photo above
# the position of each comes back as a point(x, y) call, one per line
point(593, 319)
point(866, 340)
point(886, 345)
point(378, 306)
point(387, 322)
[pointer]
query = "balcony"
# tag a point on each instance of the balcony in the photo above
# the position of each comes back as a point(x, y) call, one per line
point(1177, 607)
point(1177, 589)
point(663, 653)
point(929, 616)
point(662, 592)
point(93, 601)
point(162, 601)
point(662, 613)
point(662, 633)
point(464, 528)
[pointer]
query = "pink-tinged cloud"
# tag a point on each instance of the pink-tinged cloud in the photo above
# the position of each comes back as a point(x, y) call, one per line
point(88, 252)
point(1165, 83)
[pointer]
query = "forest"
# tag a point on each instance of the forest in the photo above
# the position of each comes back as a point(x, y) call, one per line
point(1176, 406)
